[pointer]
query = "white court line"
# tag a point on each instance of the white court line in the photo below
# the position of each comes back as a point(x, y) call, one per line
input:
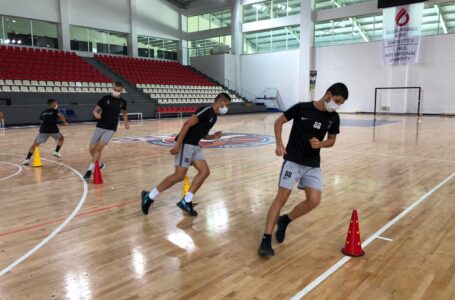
point(384, 238)
point(392, 155)
point(375, 235)
point(59, 228)
point(19, 169)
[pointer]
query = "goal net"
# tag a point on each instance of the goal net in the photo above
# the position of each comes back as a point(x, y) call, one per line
point(397, 101)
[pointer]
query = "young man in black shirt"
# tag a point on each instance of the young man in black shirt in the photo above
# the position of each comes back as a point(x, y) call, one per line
point(107, 113)
point(312, 121)
point(48, 128)
point(188, 152)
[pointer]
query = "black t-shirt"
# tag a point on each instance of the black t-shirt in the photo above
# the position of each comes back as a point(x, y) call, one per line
point(49, 118)
point(111, 107)
point(207, 118)
point(308, 122)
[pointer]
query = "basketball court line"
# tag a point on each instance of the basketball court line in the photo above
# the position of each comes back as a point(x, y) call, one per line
point(374, 236)
point(59, 228)
point(19, 169)
point(384, 238)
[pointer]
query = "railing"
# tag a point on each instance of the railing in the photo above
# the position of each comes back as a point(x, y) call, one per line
point(244, 93)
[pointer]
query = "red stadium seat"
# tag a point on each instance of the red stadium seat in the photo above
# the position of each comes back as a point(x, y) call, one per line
point(43, 64)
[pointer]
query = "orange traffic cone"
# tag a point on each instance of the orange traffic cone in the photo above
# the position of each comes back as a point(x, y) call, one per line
point(36, 159)
point(97, 178)
point(186, 186)
point(353, 246)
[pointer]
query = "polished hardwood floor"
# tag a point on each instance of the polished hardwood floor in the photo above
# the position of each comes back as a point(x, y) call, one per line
point(109, 250)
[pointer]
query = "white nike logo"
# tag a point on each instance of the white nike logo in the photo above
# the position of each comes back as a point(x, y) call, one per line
point(303, 118)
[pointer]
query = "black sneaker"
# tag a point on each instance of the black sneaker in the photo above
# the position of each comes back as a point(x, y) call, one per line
point(265, 249)
point(281, 230)
point(87, 175)
point(187, 207)
point(102, 166)
point(145, 202)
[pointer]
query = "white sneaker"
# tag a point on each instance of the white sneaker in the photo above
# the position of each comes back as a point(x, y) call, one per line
point(57, 154)
point(26, 162)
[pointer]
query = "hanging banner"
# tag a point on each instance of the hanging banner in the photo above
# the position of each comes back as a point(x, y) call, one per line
point(402, 30)
point(313, 77)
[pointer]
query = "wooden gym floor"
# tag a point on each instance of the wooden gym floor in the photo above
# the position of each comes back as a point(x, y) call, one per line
point(109, 250)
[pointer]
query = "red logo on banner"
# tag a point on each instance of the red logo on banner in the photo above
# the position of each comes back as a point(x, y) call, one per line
point(399, 18)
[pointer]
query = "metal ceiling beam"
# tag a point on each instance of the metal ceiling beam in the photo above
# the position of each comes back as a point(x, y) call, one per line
point(354, 22)
point(442, 19)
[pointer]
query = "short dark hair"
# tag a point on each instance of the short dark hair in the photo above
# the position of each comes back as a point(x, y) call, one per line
point(119, 84)
point(339, 89)
point(223, 95)
point(50, 101)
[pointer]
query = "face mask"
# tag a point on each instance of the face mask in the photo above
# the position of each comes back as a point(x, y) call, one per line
point(56, 107)
point(223, 110)
point(115, 94)
point(330, 106)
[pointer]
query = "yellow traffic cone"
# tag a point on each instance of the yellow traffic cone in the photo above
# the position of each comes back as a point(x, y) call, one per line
point(36, 159)
point(186, 186)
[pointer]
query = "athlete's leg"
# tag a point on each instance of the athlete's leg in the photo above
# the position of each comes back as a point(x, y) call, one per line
point(178, 176)
point(313, 198)
point(203, 173)
point(147, 198)
point(281, 198)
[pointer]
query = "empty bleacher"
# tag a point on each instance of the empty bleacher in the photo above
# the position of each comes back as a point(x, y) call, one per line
point(34, 70)
point(184, 94)
point(166, 82)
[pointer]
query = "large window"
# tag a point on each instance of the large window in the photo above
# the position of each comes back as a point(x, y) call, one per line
point(204, 46)
point(326, 4)
point(20, 31)
point(214, 20)
point(98, 41)
point(270, 10)
point(437, 19)
point(157, 48)
point(271, 40)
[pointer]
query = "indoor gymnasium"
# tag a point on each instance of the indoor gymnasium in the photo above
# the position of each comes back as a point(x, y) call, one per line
point(227, 149)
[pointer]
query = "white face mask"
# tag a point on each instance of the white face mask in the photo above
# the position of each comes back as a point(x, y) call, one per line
point(330, 106)
point(116, 94)
point(223, 110)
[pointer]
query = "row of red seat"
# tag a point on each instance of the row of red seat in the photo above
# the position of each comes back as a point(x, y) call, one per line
point(176, 109)
point(23, 63)
point(139, 70)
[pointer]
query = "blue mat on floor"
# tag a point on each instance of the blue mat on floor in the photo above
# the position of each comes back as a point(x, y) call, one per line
point(365, 123)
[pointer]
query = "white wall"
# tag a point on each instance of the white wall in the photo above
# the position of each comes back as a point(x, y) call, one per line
point(103, 14)
point(273, 70)
point(219, 66)
point(360, 67)
point(46, 10)
point(157, 18)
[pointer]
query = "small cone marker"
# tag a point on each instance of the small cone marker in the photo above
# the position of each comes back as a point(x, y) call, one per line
point(36, 159)
point(97, 178)
point(186, 186)
point(353, 246)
